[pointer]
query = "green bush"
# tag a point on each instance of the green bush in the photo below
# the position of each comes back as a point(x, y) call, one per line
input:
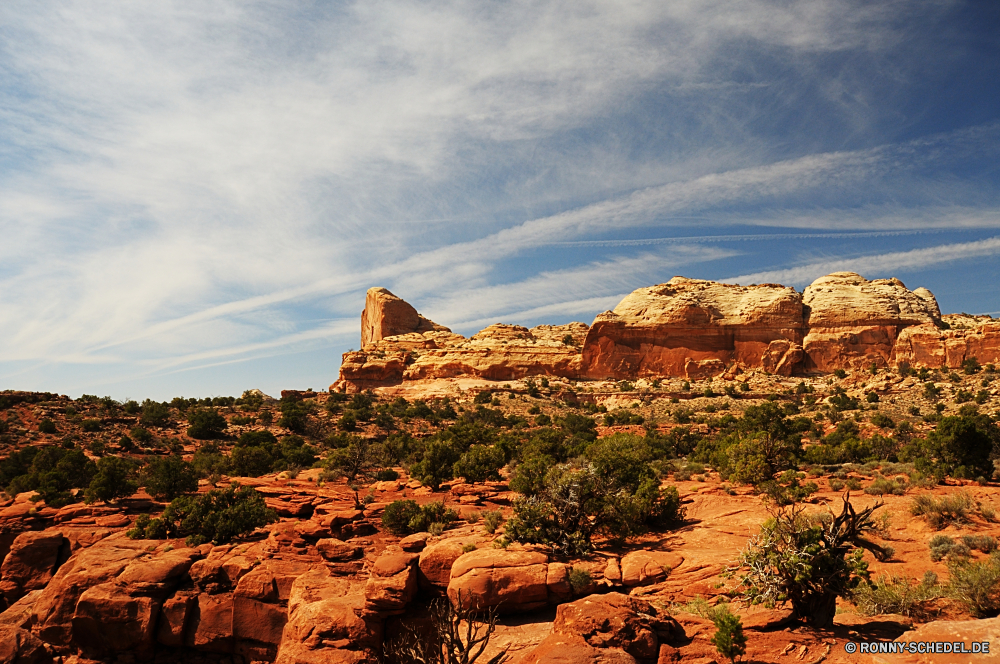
point(53, 471)
point(154, 414)
point(206, 424)
point(219, 516)
point(480, 463)
point(807, 560)
point(953, 508)
point(402, 517)
point(976, 585)
point(91, 426)
point(728, 639)
point(960, 446)
point(47, 426)
point(579, 580)
point(250, 461)
point(113, 480)
point(209, 460)
point(492, 520)
point(360, 458)
point(168, 477)
point(882, 486)
point(895, 595)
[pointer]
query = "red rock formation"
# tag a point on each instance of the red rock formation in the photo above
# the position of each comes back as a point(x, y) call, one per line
point(854, 323)
point(686, 327)
point(694, 328)
point(386, 315)
point(508, 580)
point(931, 347)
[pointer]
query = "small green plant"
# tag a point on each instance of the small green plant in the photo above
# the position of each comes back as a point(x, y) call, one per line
point(976, 585)
point(492, 520)
point(853, 484)
point(436, 529)
point(836, 485)
point(467, 548)
point(840, 373)
point(941, 512)
point(402, 517)
point(894, 595)
point(47, 426)
point(728, 639)
point(579, 580)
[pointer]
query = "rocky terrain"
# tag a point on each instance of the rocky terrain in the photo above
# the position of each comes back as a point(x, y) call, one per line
point(686, 327)
point(859, 387)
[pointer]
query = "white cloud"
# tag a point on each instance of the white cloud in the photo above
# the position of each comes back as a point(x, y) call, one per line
point(876, 265)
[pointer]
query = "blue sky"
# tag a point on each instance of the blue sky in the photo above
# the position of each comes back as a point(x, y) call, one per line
point(194, 196)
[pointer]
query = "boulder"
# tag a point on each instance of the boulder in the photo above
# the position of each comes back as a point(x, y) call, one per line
point(573, 649)
point(175, 615)
point(511, 581)
point(338, 551)
point(617, 621)
point(211, 627)
point(393, 581)
point(415, 542)
point(328, 623)
point(53, 611)
point(436, 561)
point(31, 563)
point(643, 568)
point(19, 646)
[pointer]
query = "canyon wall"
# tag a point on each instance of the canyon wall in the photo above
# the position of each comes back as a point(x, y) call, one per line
point(685, 327)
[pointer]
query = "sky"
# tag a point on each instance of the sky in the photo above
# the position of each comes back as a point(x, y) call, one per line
point(195, 195)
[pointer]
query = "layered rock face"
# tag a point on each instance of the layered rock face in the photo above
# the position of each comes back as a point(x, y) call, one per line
point(693, 328)
point(386, 315)
point(854, 323)
point(685, 327)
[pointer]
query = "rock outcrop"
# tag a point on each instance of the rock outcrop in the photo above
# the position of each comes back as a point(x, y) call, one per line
point(386, 315)
point(693, 328)
point(686, 327)
point(853, 323)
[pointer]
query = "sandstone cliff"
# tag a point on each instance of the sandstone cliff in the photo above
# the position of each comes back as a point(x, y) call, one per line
point(854, 323)
point(386, 315)
point(685, 327)
point(688, 327)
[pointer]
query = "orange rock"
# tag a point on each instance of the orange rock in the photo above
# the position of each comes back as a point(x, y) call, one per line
point(964, 631)
point(338, 551)
point(689, 327)
point(33, 559)
point(573, 649)
point(393, 582)
point(386, 315)
point(642, 568)
point(19, 646)
point(616, 621)
point(509, 580)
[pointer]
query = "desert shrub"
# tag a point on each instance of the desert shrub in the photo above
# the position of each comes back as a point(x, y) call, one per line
point(219, 516)
point(360, 458)
point(294, 415)
point(579, 579)
point(402, 517)
point(252, 461)
point(141, 436)
point(456, 634)
point(808, 561)
point(984, 543)
point(209, 460)
point(728, 639)
point(960, 446)
point(894, 595)
point(492, 520)
point(852, 484)
point(47, 426)
point(386, 475)
point(836, 485)
point(168, 477)
point(480, 463)
point(953, 508)
point(114, 480)
point(53, 471)
point(528, 477)
point(976, 585)
point(882, 486)
point(154, 414)
point(942, 546)
point(206, 424)
point(90, 425)
point(577, 501)
point(437, 463)
point(882, 420)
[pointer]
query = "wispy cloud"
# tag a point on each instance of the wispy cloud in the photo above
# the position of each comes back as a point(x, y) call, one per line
point(185, 183)
point(876, 265)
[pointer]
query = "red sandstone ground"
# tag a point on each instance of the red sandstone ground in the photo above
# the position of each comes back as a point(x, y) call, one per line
point(327, 584)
